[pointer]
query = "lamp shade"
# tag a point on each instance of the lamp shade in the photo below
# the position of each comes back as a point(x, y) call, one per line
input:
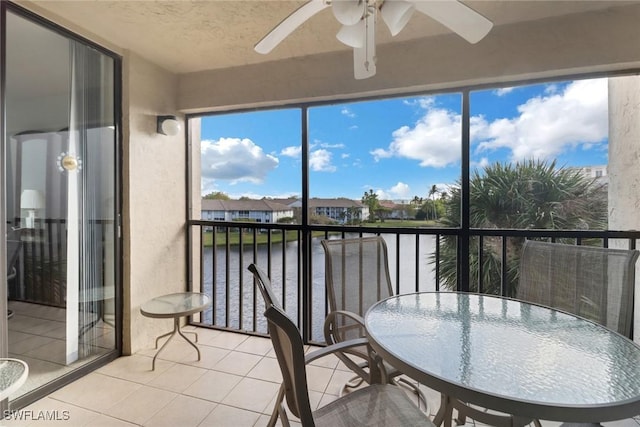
point(352, 35)
point(31, 199)
point(168, 125)
point(348, 12)
point(396, 14)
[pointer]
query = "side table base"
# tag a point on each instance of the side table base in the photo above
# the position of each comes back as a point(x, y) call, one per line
point(178, 331)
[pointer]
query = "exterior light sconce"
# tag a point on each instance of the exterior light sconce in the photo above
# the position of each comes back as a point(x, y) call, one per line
point(168, 125)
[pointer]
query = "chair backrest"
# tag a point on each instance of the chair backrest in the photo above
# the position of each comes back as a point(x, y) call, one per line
point(356, 277)
point(592, 282)
point(264, 284)
point(289, 349)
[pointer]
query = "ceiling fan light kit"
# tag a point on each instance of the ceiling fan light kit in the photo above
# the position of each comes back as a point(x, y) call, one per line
point(396, 15)
point(348, 12)
point(358, 18)
point(352, 35)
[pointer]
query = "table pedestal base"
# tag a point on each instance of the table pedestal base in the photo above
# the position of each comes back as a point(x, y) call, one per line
point(448, 404)
point(178, 331)
point(445, 412)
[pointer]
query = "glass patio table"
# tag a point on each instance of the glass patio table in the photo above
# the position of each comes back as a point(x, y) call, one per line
point(13, 373)
point(509, 356)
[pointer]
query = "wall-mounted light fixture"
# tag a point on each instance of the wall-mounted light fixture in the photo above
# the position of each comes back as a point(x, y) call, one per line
point(168, 125)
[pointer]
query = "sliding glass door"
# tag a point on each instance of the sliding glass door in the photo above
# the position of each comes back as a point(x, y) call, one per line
point(61, 190)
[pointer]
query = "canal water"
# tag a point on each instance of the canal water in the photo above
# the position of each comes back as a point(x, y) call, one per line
point(229, 297)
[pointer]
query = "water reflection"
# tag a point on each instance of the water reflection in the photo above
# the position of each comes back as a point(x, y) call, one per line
point(235, 306)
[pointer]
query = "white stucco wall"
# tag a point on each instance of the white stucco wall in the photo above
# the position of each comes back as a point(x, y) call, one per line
point(624, 158)
point(154, 199)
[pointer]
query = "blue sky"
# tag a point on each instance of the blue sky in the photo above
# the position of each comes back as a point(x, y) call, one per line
point(400, 147)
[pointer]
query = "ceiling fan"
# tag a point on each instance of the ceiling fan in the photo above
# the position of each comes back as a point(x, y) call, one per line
point(358, 19)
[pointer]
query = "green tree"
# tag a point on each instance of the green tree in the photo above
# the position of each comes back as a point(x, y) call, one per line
point(527, 195)
point(416, 201)
point(353, 214)
point(371, 200)
point(383, 213)
point(217, 195)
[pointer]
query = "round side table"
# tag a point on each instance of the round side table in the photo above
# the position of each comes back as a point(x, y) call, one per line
point(175, 306)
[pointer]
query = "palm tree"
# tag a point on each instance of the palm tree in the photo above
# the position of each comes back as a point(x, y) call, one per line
point(371, 200)
point(432, 195)
point(527, 195)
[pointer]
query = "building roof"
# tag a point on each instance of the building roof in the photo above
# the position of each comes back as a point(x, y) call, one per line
point(340, 202)
point(287, 202)
point(389, 204)
point(243, 205)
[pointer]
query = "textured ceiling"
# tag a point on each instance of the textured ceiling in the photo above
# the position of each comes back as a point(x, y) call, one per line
point(187, 36)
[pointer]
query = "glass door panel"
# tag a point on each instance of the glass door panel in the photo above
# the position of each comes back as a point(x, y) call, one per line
point(60, 185)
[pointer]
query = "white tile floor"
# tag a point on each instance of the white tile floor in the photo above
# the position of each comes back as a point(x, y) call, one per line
point(234, 384)
point(37, 336)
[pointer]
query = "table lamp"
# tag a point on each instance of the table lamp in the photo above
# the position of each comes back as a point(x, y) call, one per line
point(31, 200)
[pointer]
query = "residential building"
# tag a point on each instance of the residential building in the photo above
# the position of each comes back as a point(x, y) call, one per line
point(264, 211)
point(341, 210)
point(597, 172)
point(396, 210)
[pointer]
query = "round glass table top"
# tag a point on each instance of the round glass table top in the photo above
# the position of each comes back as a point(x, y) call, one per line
point(509, 355)
point(13, 373)
point(175, 305)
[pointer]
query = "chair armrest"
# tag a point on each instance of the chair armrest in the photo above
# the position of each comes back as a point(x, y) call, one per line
point(333, 348)
point(350, 314)
point(378, 375)
point(330, 324)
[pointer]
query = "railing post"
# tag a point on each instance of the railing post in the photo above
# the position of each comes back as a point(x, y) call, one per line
point(465, 237)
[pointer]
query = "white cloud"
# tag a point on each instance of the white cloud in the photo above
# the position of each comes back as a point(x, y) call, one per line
point(382, 195)
point(424, 102)
point(320, 161)
point(400, 190)
point(381, 153)
point(504, 91)
point(433, 141)
point(207, 186)
point(481, 164)
point(327, 145)
point(236, 160)
point(552, 88)
point(561, 120)
point(347, 112)
point(550, 125)
point(256, 196)
point(293, 151)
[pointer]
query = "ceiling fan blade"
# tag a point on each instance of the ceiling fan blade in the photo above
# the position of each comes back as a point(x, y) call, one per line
point(364, 58)
point(289, 25)
point(459, 18)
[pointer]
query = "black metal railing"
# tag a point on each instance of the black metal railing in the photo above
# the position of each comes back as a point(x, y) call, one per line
point(292, 257)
